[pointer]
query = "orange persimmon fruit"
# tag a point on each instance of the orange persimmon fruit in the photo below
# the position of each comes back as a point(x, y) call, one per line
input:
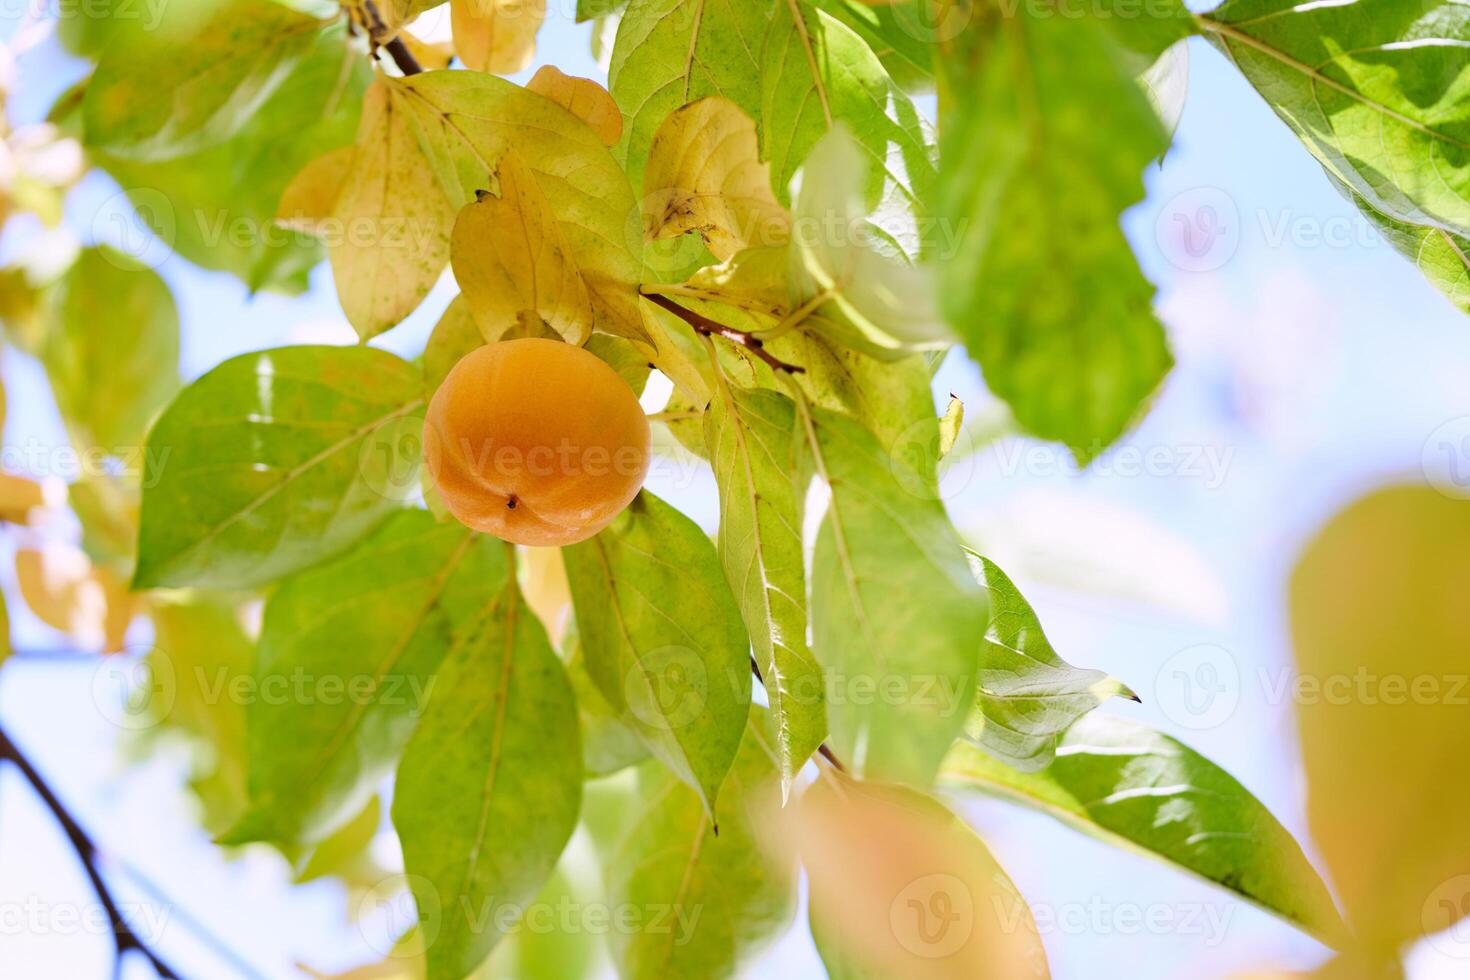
point(536, 441)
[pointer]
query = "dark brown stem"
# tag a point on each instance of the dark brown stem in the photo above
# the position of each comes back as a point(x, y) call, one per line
point(826, 753)
point(710, 328)
point(126, 939)
point(378, 35)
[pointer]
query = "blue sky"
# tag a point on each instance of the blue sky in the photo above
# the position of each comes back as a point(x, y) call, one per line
point(1313, 363)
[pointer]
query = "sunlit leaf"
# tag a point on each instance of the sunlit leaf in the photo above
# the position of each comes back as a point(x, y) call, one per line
point(663, 638)
point(583, 98)
point(367, 633)
point(1136, 788)
point(275, 461)
point(489, 787)
point(496, 35)
point(513, 264)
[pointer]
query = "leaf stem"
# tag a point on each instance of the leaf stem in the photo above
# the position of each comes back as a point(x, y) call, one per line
point(822, 750)
point(706, 327)
point(124, 937)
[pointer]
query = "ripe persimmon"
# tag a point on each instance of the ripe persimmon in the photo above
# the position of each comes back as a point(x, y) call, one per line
point(535, 441)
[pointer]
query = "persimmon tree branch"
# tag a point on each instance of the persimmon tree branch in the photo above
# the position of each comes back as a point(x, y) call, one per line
point(822, 750)
point(126, 940)
point(704, 326)
point(397, 50)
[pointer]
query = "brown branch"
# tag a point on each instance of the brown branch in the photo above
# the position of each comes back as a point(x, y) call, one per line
point(378, 36)
point(711, 328)
point(123, 935)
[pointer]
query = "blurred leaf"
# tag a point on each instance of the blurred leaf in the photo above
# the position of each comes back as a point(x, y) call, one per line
point(107, 507)
point(663, 638)
point(199, 662)
point(496, 35)
point(609, 741)
point(1142, 791)
point(558, 945)
point(950, 425)
point(345, 855)
point(216, 78)
point(1041, 283)
point(901, 674)
point(350, 650)
point(310, 199)
point(632, 366)
point(583, 98)
point(215, 207)
point(1028, 696)
point(275, 461)
point(879, 305)
point(757, 450)
point(1377, 94)
point(91, 605)
point(704, 175)
point(23, 500)
point(513, 264)
point(544, 584)
point(1167, 84)
point(489, 787)
point(454, 336)
point(112, 352)
point(901, 887)
point(718, 898)
point(1379, 624)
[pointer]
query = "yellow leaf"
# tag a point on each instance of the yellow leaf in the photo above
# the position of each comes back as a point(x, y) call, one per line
point(583, 98)
point(394, 216)
point(901, 887)
point(546, 590)
point(431, 55)
point(513, 263)
point(704, 174)
point(21, 498)
point(65, 592)
point(1380, 625)
point(310, 200)
point(496, 35)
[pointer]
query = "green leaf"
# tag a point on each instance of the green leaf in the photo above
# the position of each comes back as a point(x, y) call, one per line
point(718, 898)
point(663, 638)
point(901, 673)
point(1140, 790)
point(490, 785)
point(882, 862)
point(275, 461)
point(113, 348)
point(795, 76)
point(609, 741)
point(214, 78)
point(1442, 256)
point(590, 9)
point(875, 303)
point(1045, 142)
point(455, 335)
point(350, 649)
point(1028, 696)
point(1379, 94)
point(890, 30)
point(624, 358)
point(200, 655)
point(215, 207)
point(756, 448)
point(345, 853)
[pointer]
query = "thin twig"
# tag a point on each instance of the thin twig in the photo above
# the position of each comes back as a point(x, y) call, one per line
point(710, 328)
point(378, 36)
point(123, 935)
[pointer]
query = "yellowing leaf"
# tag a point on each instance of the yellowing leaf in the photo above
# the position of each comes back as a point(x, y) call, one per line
point(902, 887)
point(1380, 626)
point(496, 35)
point(513, 264)
point(704, 174)
point(546, 590)
point(310, 200)
point(583, 98)
point(431, 55)
point(65, 591)
point(398, 216)
point(21, 497)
